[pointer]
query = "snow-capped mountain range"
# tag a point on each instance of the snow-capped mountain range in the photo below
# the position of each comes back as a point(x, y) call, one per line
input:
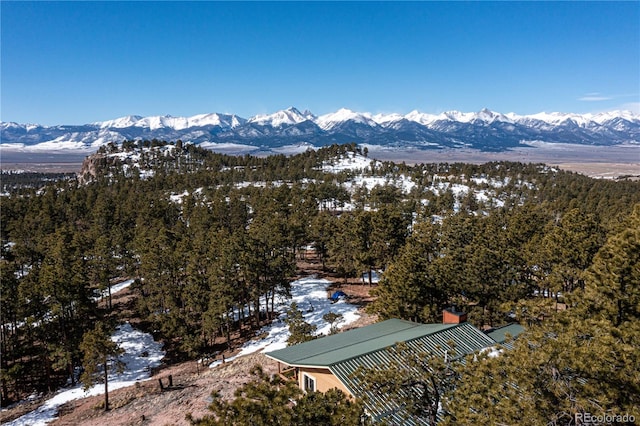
point(485, 130)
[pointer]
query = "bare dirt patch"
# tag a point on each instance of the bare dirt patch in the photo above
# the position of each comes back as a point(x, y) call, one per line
point(146, 404)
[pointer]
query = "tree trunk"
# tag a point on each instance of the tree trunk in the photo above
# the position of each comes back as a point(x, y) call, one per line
point(257, 311)
point(106, 387)
point(273, 302)
point(227, 331)
point(70, 368)
point(4, 395)
point(48, 372)
point(110, 304)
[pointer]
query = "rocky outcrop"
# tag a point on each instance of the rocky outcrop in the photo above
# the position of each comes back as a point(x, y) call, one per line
point(93, 166)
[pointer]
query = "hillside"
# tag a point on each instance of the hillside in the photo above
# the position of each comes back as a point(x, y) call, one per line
point(213, 243)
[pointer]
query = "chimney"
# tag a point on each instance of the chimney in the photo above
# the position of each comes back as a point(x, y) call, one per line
point(451, 316)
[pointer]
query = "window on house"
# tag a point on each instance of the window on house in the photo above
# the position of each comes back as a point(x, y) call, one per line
point(309, 383)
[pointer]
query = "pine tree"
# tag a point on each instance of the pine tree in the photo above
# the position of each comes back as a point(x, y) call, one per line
point(100, 357)
point(567, 250)
point(102, 268)
point(390, 230)
point(321, 231)
point(331, 408)
point(299, 330)
point(333, 319)
point(615, 276)
point(412, 287)
point(9, 311)
point(262, 402)
point(342, 247)
point(225, 284)
point(363, 229)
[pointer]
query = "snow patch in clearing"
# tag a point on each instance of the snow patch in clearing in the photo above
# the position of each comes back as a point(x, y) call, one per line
point(114, 289)
point(141, 355)
point(349, 162)
point(313, 300)
point(177, 198)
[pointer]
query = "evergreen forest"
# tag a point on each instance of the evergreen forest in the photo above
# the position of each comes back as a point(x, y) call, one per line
point(211, 239)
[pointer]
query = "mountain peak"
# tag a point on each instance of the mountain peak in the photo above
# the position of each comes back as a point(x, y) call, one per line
point(386, 119)
point(285, 117)
point(421, 117)
point(489, 116)
point(293, 110)
point(119, 123)
point(329, 121)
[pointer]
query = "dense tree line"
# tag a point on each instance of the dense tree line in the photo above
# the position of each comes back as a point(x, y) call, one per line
point(581, 362)
point(213, 238)
point(16, 181)
point(484, 263)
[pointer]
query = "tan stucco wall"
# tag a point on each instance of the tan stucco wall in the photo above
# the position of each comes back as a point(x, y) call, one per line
point(325, 380)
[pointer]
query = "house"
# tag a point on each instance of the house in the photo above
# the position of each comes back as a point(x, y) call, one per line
point(331, 361)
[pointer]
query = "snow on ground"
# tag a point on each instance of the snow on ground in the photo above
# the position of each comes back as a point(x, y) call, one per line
point(459, 190)
point(350, 162)
point(404, 183)
point(117, 288)
point(492, 351)
point(479, 180)
point(141, 354)
point(368, 182)
point(134, 157)
point(312, 298)
point(259, 184)
point(375, 276)
point(294, 149)
point(495, 183)
point(114, 289)
point(482, 195)
point(177, 198)
point(55, 146)
point(229, 148)
point(146, 174)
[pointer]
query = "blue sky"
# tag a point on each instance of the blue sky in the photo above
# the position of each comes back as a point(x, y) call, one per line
point(79, 62)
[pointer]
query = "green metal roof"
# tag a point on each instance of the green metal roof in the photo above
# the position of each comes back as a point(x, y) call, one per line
point(500, 334)
point(461, 339)
point(340, 347)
